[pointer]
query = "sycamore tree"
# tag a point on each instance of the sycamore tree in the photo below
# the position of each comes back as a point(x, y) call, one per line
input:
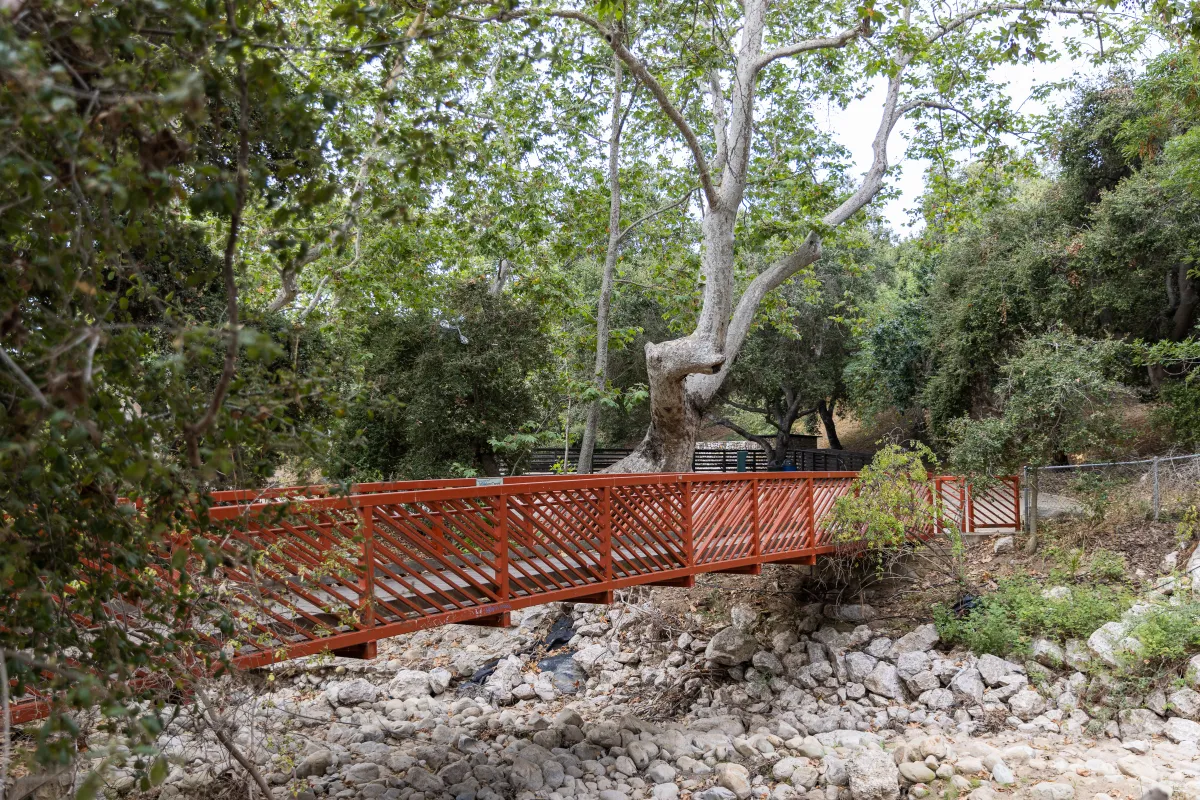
point(725, 80)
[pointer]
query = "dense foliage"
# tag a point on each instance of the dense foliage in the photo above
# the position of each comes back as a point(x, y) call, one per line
point(1099, 245)
point(245, 244)
point(442, 386)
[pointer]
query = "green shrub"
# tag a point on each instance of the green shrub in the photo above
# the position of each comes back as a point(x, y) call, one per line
point(1008, 619)
point(1096, 493)
point(1168, 634)
point(1108, 564)
point(1179, 411)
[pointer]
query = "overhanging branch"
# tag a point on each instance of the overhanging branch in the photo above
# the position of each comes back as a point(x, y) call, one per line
point(835, 42)
point(639, 70)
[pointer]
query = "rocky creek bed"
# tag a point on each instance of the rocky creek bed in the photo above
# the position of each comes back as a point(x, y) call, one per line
point(583, 701)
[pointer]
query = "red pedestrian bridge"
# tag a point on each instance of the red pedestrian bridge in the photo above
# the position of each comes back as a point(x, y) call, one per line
point(311, 571)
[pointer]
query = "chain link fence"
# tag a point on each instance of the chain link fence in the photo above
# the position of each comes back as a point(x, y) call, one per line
point(1153, 488)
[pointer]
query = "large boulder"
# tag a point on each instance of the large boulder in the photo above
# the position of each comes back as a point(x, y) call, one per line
point(993, 669)
point(937, 699)
point(731, 646)
point(1111, 643)
point(735, 778)
point(850, 613)
point(590, 657)
point(423, 780)
point(922, 682)
point(1192, 674)
point(1027, 704)
point(409, 683)
point(885, 681)
point(1192, 570)
point(1139, 723)
point(916, 772)
point(1185, 703)
point(439, 679)
point(1179, 729)
point(1048, 653)
point(873, 775)
point(912, 663)
point(859, 666)
point(526, 776)
point(1047, 790)
point(922, 638)
point(314, 764)
point(506, 675)
point(968, 685)
point(356, 692)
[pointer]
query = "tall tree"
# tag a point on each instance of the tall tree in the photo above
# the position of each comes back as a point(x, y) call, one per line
point(917, 49)
point(600, 373)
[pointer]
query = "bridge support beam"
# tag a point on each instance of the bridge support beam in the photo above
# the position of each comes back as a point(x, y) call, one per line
point(365, 650)
point(599, 598)
point(748, 569)
point(687, 582)
point(501, 620)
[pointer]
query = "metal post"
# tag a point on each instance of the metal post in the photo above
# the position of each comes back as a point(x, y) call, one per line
point(606, 542)
point(367, 587)
point(812, 513)
point(741, 458)
point(689, 540)
point(757, 541)
point(501, 515)
point(1025, 497)
point(1156, 495)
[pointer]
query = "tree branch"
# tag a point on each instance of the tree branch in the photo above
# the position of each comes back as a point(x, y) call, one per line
point(655, 213)
point(761, 441)
point(835, 42)
point(639, 71)
point(218, 727)
point(289, 286)
point(192, 432)
point(24, 379)
point(719, 122)
point(995, 8)
point(739, 326)
point(744, 407)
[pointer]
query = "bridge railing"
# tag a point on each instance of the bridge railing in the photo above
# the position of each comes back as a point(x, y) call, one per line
point(309, 570)
point(335, 571)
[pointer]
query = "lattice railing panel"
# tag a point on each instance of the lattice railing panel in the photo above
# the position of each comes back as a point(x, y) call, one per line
point(722, 520)
point(996, 506)
point(952, 497)
point(784, 514)
point(555, 540)
point(292, 575)
point(648, 529)
point(826, 491)
point(433, 556)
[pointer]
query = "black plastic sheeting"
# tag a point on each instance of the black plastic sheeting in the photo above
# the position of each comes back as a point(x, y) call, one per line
point(560, 633)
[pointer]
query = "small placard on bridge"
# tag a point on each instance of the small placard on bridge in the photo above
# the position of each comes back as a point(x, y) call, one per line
point(489, 481)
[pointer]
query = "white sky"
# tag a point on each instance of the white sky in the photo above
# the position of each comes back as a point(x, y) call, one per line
point(855, 126)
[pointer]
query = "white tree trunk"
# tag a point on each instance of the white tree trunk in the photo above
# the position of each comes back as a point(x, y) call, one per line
point(600, 375)
point(686, 374)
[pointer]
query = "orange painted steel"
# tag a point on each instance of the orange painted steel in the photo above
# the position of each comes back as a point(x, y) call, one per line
point(337, 573)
